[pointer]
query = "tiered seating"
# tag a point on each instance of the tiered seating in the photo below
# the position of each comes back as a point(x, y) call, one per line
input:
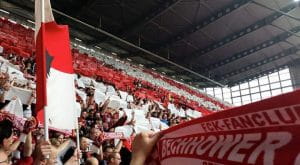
point(90, 67)
point(14, 38)
point(153, 79)
point(193, 92)
point(18, 40)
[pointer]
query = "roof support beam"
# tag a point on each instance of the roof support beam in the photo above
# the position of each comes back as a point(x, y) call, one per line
point(130, 55)
point(196, 80)
point(256, 75)
point(281, 37)
point(206, 21)
point(157, 65)
point(180, 73)
point(278, 11)
point(257, 25)
point(294, 34)
point(129, 44)
point(148, 18)
point(278, 56)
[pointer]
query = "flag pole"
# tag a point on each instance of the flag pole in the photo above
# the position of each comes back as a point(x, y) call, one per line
point(78, 139)
point(46, 126)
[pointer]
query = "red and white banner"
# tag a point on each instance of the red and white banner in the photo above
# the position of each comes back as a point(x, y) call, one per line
point(55, 75)
point(113, 135)
point(19, 123)
point(265, 132)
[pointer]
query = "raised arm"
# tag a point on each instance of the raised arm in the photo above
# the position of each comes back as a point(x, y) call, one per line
point(63, 145)
point(119, 146)
point(142, 146)
point(28, 145)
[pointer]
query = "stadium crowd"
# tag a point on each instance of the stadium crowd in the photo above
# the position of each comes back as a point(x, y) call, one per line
point(94, 121)
point(113, 97)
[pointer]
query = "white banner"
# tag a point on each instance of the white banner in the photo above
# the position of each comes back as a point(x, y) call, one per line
point(15, 107)
point(99, 96)
point(23, 94)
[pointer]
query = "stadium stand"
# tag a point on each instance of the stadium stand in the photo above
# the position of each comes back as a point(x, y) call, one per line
point(125, 99)
point(113, 95)
point(89, 66)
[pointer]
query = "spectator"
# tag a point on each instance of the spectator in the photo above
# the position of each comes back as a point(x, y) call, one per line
point(4, 85)
point(27, 158)
point(6, 140)
point(57, 139)
point(106, 154)
point(147, 93)
point(142, 146)
point(114, 159)
point(164, 118)
point(84, 144)
point(95, 133)
point(92, 161)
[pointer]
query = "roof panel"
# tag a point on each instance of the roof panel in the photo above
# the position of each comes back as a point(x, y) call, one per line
point(257, 12)
point(285, 23)
point(238, 45)
point(215, 5)
point(193, 10)
point(172, 22)
point(281, 3)
point(217, 30)
point(271, 3)
point(275, 49)
point(294, 13)
point(153, 33)
point(181, 49)
point(199, 39)
point(117, 15)
point(253, 58)
point(244, 17)
point(295, 40)
point(240, 63)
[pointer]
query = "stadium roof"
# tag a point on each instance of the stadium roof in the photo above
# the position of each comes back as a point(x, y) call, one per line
point(227, 41)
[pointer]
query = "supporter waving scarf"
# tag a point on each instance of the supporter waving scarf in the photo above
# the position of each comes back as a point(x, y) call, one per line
point(265, 132)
